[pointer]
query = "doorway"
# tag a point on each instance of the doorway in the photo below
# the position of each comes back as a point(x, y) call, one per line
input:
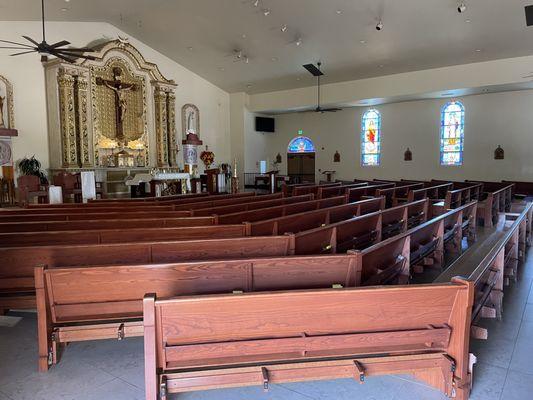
point(301, 160)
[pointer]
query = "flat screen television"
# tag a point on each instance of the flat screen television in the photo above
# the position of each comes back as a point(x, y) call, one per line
point(264, 124)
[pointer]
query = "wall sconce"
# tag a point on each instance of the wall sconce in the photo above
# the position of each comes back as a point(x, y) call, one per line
point(278, 159)
point(499, 153)
point(336, 157)
point(408, 155)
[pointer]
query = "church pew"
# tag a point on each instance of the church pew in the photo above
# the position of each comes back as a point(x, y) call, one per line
point(522, 189)
point(497, 198)
point(30, 239)
point(334, 191)
point(281, 337)
point(152, 199)
point(300, 190)
point(490, 271)
point(75, 209)
point(391, 194)
point(309, 220)
point(171, 200)
point(137, 215)
point(287, 189)
point(105, 302)
point(279, 211)
point(41, 226)
point(458, 197)
point(256, 205)
point(430, 191)
point(364, 192)
point(18, 263)
point(227, 202)
point(417, 213)
point(427, 244)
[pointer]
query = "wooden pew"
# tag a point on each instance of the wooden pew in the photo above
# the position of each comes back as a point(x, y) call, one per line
point(256, 205)
point(497, 198)
point(435, 193)
point(489, 269)
point(227, 202)
point(279, 211)
point(365, 192)
point(17, 288)
point(137, 215)
point(334, 191)
point(102, 224)
point(355, 233)
point(31, 239)
point(521, 189)
point(300, 190)
point(271, 338)
point(105, 302)
point(154, 199)
point(312, 219)
point(391, 194)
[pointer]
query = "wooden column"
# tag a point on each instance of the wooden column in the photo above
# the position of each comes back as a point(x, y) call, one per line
point(83, 131)
point(172, 145)
point(67, 111)
point(161, 126)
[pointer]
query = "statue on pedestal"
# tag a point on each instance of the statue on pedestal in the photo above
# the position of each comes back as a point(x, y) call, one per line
point(2, 124)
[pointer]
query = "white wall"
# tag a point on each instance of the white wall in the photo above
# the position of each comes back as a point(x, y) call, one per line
point(491, 119)
point(27, 76)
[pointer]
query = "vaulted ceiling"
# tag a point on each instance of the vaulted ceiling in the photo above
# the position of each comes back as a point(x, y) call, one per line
point(201, 35)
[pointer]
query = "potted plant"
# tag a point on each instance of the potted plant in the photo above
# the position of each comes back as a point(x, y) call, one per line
point(32, 167)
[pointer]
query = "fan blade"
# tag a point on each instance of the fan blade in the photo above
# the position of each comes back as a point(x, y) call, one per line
point(24, 52)
point(59, 44)
point(64, 57)
point(31, 40)
point(74, 50)
point(18, 44)
point(17, 48)
point(71, 54)
point(313, 70)
point(330, 109)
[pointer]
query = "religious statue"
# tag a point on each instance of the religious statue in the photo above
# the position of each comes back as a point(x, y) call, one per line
point(191, 122)
point(2, 100)
point(121, 104)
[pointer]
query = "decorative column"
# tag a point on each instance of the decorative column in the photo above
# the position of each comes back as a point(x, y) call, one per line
point(172, 145)
point(67, 113)
point(161, 126)
point(83, 131)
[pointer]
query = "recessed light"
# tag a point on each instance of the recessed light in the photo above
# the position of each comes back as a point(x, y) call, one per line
point(190, 48)
point(298, 79)
point(266, 12)
point(380, 65)
point(67, 1)
point(298, 42)
point(362, 41)
point(468, 21)
point(221, 68)
point(249, 85)
point(64, 9)
point(339, 12)
point(274, 58)
point(478, 50)
point(243, 35)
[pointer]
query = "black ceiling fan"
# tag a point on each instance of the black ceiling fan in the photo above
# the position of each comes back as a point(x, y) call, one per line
point(316, 71)
point(45, 49)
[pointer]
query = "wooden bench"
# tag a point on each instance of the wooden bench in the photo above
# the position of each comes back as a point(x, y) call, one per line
point(227, 202)
point(391, 194)
point(279, 211)
point(100, 224)
point(30, 239)
point(105, 302)
point(313, 189)
point(271, 338)
point(334, 191)
point(365, 192)
point(256, 205)
point(312, 219)
point(496, 199)
point(18, 263)
point(434, 193)
point(137, 215)
point(521, 189)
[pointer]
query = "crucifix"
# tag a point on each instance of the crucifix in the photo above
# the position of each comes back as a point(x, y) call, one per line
point(121, 105)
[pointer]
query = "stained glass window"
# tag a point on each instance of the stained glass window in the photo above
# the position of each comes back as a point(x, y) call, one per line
point(301, 144)
point(452, 133)
point(371, 138)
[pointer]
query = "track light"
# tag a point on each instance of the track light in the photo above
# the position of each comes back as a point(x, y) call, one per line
point(298, 42)
point(284, 28)
point(256, 3)
point(379, 26)
point(461, 8)
point(266, 12)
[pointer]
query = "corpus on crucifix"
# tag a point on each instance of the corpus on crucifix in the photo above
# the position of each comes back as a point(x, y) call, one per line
point(121, 105)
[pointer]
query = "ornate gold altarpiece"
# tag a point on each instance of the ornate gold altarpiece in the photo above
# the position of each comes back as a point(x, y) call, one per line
point(117, 111)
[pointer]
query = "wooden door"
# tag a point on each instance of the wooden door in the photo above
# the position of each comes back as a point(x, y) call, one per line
point(301, 167)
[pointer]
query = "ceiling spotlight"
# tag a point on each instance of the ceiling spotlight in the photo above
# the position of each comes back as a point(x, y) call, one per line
point(256, 3)
point(284, 28)
point(266, 12)
point(246, 60)
point(298, 42)
point(379, 26)
point(339, 12)
point(461, 7)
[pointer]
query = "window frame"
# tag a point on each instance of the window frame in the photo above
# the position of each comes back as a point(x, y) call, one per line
point(363, 138)
point(461, 138)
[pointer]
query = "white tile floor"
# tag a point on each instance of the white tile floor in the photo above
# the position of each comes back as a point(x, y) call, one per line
point(112, 370)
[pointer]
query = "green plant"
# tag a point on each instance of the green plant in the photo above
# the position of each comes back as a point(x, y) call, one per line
point(32, 166)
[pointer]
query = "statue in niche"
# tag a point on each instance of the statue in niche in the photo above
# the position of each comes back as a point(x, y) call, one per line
point(121, 104)
point(190, 120)
point(2, 100)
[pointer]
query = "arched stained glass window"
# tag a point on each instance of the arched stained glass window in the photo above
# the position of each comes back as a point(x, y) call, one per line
point(301, 144)
point(452, 133)
point(371, 138)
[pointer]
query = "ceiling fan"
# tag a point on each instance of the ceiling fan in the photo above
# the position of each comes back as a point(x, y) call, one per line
point(44, 49)
point(315, 71)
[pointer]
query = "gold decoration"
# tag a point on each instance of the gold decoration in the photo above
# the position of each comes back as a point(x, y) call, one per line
point(82, 85)
point(10, 118)
point(173, 147)
point(68, 120)
point(161, 127)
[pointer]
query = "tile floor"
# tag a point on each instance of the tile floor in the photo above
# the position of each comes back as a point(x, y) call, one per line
point(111, 370)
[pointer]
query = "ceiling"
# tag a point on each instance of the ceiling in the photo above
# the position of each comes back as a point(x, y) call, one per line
point(201, 34)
